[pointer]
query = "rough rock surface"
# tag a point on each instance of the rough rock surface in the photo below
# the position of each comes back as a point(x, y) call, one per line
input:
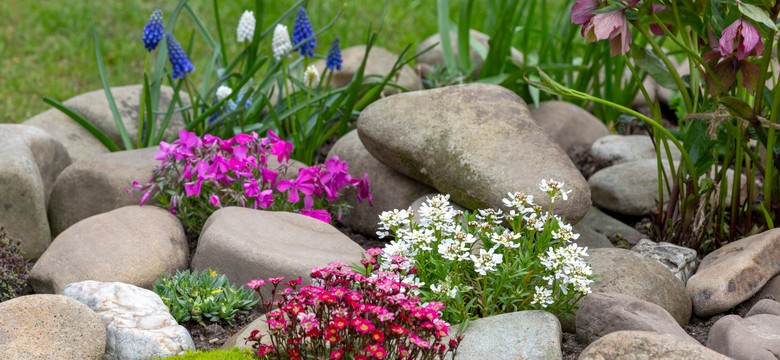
point(109, 177)
point(531, 334)
point(647, 345)
point(681, 261)
point(735, 272)
point(602, 313)
point(247, 244)
point(590, 238)
point(389, 188)
point(626, 272)
point(50, 327)
point(569, 125)
point(618, 149)
point(498, 148)
point(138, 324)
point(756, 337)
point(380, 62)
point(133, 245)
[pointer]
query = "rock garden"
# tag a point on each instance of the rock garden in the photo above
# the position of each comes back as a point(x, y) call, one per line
point(464, 199)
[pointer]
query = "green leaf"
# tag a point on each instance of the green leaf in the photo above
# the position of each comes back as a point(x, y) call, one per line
point(650, 63)
point(111, 103)
point(738, 107)
point(757, 14)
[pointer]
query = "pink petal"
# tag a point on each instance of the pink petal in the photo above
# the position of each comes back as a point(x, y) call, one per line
point(606, 24)
point(582, 11)
point(727, 37)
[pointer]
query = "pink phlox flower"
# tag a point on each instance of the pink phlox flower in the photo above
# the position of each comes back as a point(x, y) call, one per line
point(214, 200)
point(209, 140)
point(193, 188)
point(363, 189)
point(244, 139)
point(319, 214)
point(304, 183)
point(266, 198)
point(251, 189)
point(269, 176)
point(166, 150)
point(746, 35)
point(280, 148)
point(189, 140)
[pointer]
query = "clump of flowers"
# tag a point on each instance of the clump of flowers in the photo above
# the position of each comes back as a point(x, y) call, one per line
point(489, 262)
point(246, 27)
point(179, 60)
point(303, 34)
point(199, 175)
point(351, 314)
point(203, 297)
point(153, 31)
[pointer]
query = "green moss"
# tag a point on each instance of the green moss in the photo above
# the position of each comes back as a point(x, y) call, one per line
point(218, 354)
point(13, 268)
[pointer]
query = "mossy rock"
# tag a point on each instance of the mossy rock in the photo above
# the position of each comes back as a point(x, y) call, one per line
point(217, 354)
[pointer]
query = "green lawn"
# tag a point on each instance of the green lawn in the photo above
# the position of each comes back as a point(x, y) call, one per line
point(47, 50)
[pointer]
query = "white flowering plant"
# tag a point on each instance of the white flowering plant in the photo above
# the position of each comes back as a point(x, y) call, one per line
point(489, 261)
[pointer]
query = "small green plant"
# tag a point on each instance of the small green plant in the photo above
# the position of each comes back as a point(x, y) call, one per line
point(489, 262)
point(203, 297)
point(217, 354)
point(13, 268)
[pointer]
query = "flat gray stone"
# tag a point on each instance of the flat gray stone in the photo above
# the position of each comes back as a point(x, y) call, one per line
point(735, 272)
point(602, 313)
point(590, 238)
point(756, 337)
point(765, 306)
point(569, 125)
point(647, 345)
point(531, 334)
point(414, 134)
point(611, 228)
point(618, 149)
point(78, 142)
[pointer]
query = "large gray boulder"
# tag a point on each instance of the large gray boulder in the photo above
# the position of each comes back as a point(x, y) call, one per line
point(476, 142)
point(138, 324)
point(389, 188)
point(735, 272)
point(133, 245)
point(109, 178)
point(246, 244)
point(756, 337)
point(78, 141)
point(380, 62)
point(30, 160)
point(50, 327)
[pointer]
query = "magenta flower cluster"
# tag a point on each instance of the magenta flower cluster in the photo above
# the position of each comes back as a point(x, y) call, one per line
point(347, 314)
point(198, 175)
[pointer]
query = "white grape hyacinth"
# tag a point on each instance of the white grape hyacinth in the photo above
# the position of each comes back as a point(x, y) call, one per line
point(223, 92)
point(246, 27)
point(311, 77)
point(281, 43)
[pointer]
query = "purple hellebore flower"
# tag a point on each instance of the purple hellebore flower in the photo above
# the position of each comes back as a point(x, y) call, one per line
point(582, 11)
point(746, 35)
point(610, 25)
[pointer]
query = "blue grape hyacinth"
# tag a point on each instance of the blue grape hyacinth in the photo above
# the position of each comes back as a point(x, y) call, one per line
point(153, 31)
point(334, 55)
point(302, 31)
point(179, 60)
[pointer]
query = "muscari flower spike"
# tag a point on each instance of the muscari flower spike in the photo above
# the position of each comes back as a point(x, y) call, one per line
point(302, 31)
point(179, 60)
point(153, 31)
point(246, 27)
point(334, 56)
point(281, 44)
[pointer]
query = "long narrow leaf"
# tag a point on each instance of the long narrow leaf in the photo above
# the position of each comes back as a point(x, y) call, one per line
point(110, 97)
point(86, 124)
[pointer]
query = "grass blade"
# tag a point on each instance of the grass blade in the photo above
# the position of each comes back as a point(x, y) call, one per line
point(108, 143)
point(111, 103)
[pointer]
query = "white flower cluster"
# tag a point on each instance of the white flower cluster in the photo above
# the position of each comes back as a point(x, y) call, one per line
point(486, 261)
point(543, 296)
point(567, 267)
point(438, 213)
point(246, 27)
point(311, 77)
point(446, 287)
point(223, 92)
point(393, 219)
point(281, 44)
point(554, 189)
